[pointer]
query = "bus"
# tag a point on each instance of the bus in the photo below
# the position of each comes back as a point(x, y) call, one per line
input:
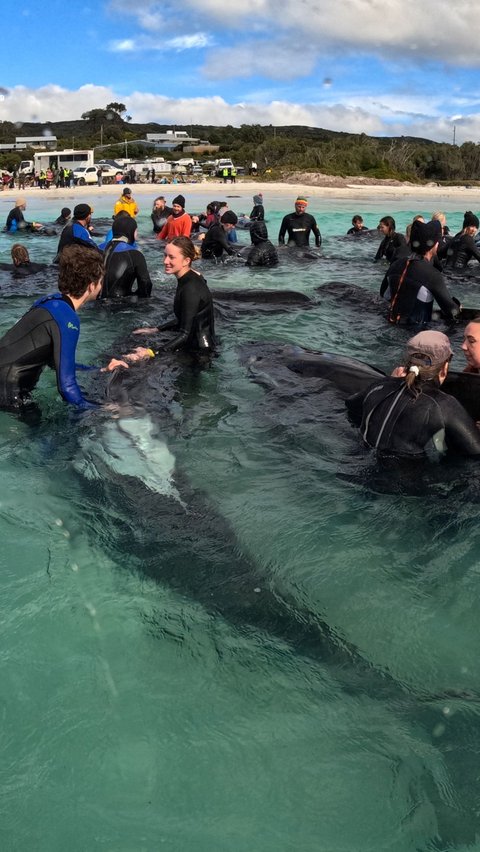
point(63, 159)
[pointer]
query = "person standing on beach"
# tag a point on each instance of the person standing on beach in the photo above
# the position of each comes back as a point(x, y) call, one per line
point(298, 225)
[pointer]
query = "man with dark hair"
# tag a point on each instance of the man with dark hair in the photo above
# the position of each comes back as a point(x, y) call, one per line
point(412, 283)
point(47, 335)
point(216, 239)
point(77, 231)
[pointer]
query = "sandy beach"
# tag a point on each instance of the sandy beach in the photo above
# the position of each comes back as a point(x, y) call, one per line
point(322, 188)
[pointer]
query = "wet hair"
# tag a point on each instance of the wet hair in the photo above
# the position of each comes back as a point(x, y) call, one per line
point(389, 221)
point(124, 226)
point(78, 268)
point(186, 246)
point(356, 218)
point(19, 254)
point(426, 372)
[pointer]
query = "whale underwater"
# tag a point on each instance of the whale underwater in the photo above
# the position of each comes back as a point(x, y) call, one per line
point(174, 534)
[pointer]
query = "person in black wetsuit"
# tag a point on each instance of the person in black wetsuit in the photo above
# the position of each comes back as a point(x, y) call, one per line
point(124, 262)
point(160, 213)
point(299, 225)
point(193, 306)
point(216, 239)
point(22, 265)
point(462, 247)
point(77, 231)
point(357, 227)
point(412, 283)
point(258, 212)
point(393, 245)
point(263, 252)
point(16, 220)
point(47, 335)
point(407, 415)
point(65, 216)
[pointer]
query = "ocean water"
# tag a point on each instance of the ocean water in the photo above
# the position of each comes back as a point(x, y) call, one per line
point(222, 629)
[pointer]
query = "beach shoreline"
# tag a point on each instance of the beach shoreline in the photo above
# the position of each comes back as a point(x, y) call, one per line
point(467, 195)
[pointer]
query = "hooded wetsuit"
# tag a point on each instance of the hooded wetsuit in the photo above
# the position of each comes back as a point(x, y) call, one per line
point(262, 253)
point(394, 421)
point(298, 226)
point(46, 336)
point(124, 263)
point(412, 284)
point(193, 309)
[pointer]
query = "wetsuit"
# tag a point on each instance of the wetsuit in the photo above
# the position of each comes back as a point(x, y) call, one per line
point(74, 234)
point(16, 215)
point(46, 336)
point(458, 251)
point(412, 284)
point(216, 242)
point(62, 221)
point(299, 226)
point(392, 247)
point(357, 230)
point(125, 264)
point(262, 253)
point(159, 217)
point(394, 421)
point(28, 268)
point(194, 318)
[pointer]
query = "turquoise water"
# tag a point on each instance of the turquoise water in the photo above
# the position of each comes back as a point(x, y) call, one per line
point(217, 634)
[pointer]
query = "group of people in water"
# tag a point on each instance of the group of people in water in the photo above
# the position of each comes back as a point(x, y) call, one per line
point(400, 415)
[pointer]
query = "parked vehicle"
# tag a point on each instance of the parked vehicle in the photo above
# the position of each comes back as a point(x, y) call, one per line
point(88, 174)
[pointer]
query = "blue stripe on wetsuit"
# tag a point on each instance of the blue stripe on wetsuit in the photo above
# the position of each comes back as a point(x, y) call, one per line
point(81, 233)
point(68, 325)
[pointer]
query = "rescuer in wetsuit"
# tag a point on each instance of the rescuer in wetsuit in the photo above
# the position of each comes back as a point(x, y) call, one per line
point(462, 247)
point(77, 232)
point(407, 414)
point(22, 265)
point(263, 252)
point(216, 239)
point(192, 306)
point(298, 225)
point(47, 335)
point(412, 283)
point(393, 245)
point(124, 262)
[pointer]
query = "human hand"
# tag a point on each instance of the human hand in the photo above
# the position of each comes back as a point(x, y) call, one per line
point(399, 372)
point(140, 353)
point(145, 330)
point(113, 364)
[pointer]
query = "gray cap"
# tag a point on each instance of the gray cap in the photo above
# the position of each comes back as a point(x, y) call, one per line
point(430, 347)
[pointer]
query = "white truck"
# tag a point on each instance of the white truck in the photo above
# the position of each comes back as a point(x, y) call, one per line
point(68, 159)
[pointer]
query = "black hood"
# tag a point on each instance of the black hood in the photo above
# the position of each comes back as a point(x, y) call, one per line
point(258, 232)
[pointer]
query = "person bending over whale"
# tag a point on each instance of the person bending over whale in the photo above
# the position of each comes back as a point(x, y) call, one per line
point(47, 335)
point(16, 220)
point(407, 414)
point(299, 225)
point(192, 305)
point(393, 245)
point(412, 283)
point(263, 252)
point(124, 262)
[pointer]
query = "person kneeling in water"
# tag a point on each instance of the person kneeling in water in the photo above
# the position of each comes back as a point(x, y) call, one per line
point(192, 305)
point(47, 335)
point(407, 414)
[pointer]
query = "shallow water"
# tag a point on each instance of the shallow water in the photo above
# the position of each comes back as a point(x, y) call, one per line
point(221, 630)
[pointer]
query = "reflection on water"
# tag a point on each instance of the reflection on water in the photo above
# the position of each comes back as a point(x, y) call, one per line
point(220, 630)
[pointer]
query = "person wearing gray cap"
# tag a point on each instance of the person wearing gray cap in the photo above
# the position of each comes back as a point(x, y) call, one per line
point(412, 283)
point(407, 414)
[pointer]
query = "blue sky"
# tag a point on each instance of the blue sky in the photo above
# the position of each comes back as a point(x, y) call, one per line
point(360, 66)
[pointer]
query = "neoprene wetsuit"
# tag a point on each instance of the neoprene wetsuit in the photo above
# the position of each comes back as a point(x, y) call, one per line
point(16, 215)
point(159, 218)
point(74, 234)
point(458, 251)
point(194, 318)
point(216, 242)
point(298, 226)
point(392, 247)
point(394, 421)
point(262, 253)
point(125, 264)
point(412, 284)
point(46, 336)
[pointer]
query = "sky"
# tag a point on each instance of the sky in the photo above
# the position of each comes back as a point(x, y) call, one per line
point(361, 66)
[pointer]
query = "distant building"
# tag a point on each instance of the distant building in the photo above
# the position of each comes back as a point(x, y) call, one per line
point(46, 141)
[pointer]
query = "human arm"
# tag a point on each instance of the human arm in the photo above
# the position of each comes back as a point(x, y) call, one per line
point(316, 233)
point(283, 231)
point(144, 282)
point(461, 433)
point(441, 294)
point(162, 235)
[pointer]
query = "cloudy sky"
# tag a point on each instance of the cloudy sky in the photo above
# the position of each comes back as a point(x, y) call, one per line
point(400, 67)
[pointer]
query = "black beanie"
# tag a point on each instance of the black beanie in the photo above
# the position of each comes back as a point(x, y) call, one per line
point(424, 235)
point(470, 220)
point(81, 211)
point(179, 200)
point(229, 218)
point(124, 226)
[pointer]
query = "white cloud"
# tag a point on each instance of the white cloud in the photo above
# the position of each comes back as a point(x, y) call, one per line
point(187, 42)
point(274, 60)
point(408, 118)
point(125, 46)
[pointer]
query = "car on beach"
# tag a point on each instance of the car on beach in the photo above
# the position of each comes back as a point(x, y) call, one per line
point(88, 174)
